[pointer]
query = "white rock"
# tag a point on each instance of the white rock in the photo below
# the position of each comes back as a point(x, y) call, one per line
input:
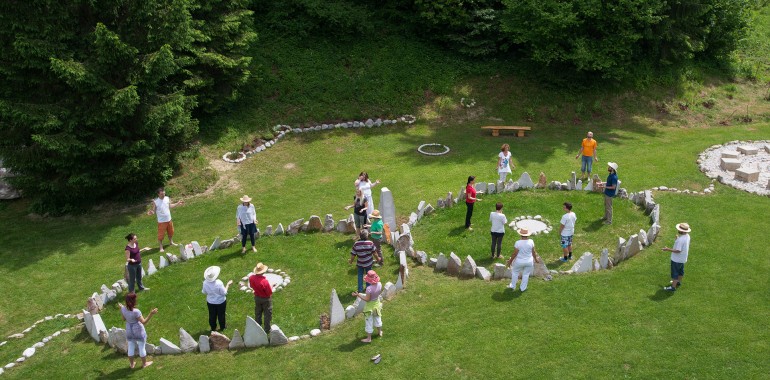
point(186, 341)
point(168, 348)
point(315, 332)
point(277, 337)
point(203, 344)
point(151, 269)
point(336, 312)
point(254, 335)
point(237, 341)
point(28, 352)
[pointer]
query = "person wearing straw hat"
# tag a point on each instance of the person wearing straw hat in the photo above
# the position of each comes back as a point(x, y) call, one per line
point(373, 308)
point(678, 256)
point(216, 297)
point(610, 190)
point(375, 231)
point(522, 260)
point(246, 219)
point(263, 297)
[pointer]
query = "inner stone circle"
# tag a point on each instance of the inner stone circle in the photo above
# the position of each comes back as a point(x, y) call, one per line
point(534, 226)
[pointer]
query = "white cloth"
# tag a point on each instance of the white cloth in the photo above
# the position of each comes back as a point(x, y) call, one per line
point(247, 215)
point(682, 244)
point(525, 248)
point(505, 162)
point(365, 187)
point(498, 221)
point(370, 320)
point(163, 209)
point(503, 176)
point(133, 344)
point(526, 269)
point(568, 221)
point(215, 292)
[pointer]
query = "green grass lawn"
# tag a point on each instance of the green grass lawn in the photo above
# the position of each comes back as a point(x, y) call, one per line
point(608, 324)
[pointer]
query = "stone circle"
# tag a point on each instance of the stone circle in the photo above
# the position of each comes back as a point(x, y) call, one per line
point(422, 147)
point(744, 165)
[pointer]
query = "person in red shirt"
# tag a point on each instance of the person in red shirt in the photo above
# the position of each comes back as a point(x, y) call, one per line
point(470, 199)
point(263, 296)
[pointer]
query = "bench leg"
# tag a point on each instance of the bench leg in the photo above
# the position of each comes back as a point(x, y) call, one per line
point(520, 133)
point(495, 132)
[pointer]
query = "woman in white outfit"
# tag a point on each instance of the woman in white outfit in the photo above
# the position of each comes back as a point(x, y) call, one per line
point(365, 185)
point(504, 162)
point(523, 260)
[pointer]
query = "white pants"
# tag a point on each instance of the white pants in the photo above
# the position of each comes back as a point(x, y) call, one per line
point(503, 175)
point(372, 319)
point(369, 204)
point(137, 343)
point(523, 267)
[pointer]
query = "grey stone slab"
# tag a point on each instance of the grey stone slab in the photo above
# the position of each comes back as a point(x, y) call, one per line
point(441, 263)
point(483, 273)
point(422, 257)
point(633, 246)
point(277, 337)
point(168, 348)
point(151, 269)
point(163, 262)
point(491, 188)
point(584, 264)
point(237, 341)
point(468, 269)
point(481, 187)
point(621, 249)
point(196, 248)
point(389, 291)
point(328, 223)
point(186, 341)
point(279, 230)
point(604, 260)
point(218, 342)
point(254, 335)
point(388, 208)
point(336, 311)
point(215, 244)
point(269, 230)
point(454, 264)
point(295, 226)
point(432, 262)
point(203, 344)
point(525, 181)
point(643, 237)
point(652, 233)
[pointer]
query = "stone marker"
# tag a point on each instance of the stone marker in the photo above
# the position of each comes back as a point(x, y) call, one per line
point(350, 311)
point(579, 185)
point(584, 264)
point(196, 248)
point(541, 271)
point(98, 327)
point(542, 182)
point(328, 223)
point(215, 244)
point(388, 208)
point(203, 344)
point(729, 164)
point(279, 230)
point(186, 341)
point(429, 209)
point(633, 246)
point(454, 264)
point(643, 237)
point(481, 187)
point(483, 273)
point(441, 263)
point(422, 257)
point(468, 269)
point(28, 352)
point(652, 234)
point(218, 342)
point(118, 339)
point(589, 186)
point(747, 174)
point(336, 312)
point(525, 182)
point(604, 260)
point(730, 154)
point(432, 262)
point(342, 226)
point(295, 226)
point(269, 230)
point(619, 251)
point(254, 335)
point(655, 214)
point(399, 282)
point(491, 188)
point(596, 181)
point(277, 337)
point(499, 271)
point(748, 150)
point(168, 348)
point(151, 270)
point(572, 181)
point(163, 262)
point(389, 291)
point(237, 341)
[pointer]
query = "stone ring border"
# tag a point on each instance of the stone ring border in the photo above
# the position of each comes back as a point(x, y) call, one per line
point(421, 147)
point(548, 226)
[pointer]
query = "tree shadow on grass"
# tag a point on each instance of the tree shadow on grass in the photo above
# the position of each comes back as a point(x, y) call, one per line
point(661, 295)
point(506, 295)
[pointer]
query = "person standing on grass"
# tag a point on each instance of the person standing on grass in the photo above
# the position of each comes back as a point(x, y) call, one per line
point(470, 200)
point(376, 234)
point(499, 221)
point(504, 164)
point(134, 262)
point(678, 256)
point(365, 185)
point(588, 152)
point(610, 190)
point(161, 207)
point(373, 308)
point(566, 231)
point(136, 335)
point(365, 255)
point(263, 297)
point(216, 297)
point(360, 209)
point(523, 260)
point(246, 219)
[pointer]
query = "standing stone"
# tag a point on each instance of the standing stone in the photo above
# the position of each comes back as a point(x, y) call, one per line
point(441, 263)
point(163, 262)
point(254, 335)
point(429, 209)
point(619, 251)
point(652, 233)
point(389, 291)
point(579, 185)
point(453, 267)
point(572, 181)
point(295, 226)
point(215, 244)
point(196, 248)
point(337, 312)
point(633, 246)
point(491, 188)
point(237, 341)
point(269, 230)
point(279, 230)
point(277, 337)
point(509, 186)
point(500, 187)
point(589, 185)
point(328, 223)
point(350, 227)
point(203, 344)
point(603, 261)
point(584, 264)
point(483, 273)
point(388, 208)
point(168, 348)
point(342, 226)
point(643, 238)
point(399, 282)
point(186, 341)
point(541, 271)
point(98, 327)
point(151, 270)
point(449, 202)
point(118, 339)
point(468, 269)
point(432, 262)
point(422, 257)
point(499, 271)
point(481, 187)
point(218, 342)
point(358, 306)
point(596, 181)
point(525, 182)
point(542, 182)
point(596, 265)
point(655, 214)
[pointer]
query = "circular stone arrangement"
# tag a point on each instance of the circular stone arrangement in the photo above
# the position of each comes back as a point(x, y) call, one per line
point(422, 147)
point(278, 280)
point(536, 225)
point(744, 165)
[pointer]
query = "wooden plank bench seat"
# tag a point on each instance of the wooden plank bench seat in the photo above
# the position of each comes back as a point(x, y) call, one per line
point(497, 128)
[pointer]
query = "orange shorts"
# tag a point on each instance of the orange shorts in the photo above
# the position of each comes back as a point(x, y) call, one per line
point(165, 227)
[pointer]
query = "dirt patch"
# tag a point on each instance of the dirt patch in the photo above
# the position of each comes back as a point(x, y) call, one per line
point(292, 165)
point(221, 166)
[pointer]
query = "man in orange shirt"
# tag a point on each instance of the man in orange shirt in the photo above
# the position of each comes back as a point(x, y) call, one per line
point(588, 151)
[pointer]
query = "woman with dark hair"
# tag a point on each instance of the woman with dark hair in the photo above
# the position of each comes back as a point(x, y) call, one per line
point(470, 199)
point(365, 185)
point(360, 206)
point(134, 262)
point(135, 332)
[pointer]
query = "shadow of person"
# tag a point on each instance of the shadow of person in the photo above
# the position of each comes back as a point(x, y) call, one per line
point(351, 346)
point(232, 255)
point(121, 373)
point(456, 231)
point(505, 295)
point(661, 295)
point(594, 226)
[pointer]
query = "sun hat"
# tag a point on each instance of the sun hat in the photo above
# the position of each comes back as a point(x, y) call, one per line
point(683, 227)
point(524, 232)
point(260, 268)
point(371, 277)
point(375, 215)
point(245, 198)
point(211, 273)
point(613, 165)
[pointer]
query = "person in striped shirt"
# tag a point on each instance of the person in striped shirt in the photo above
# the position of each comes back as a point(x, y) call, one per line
point(364, 252)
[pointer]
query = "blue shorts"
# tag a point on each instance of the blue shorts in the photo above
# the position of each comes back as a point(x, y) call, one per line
point(677, 269)
point(587, 163)
point(566, 241)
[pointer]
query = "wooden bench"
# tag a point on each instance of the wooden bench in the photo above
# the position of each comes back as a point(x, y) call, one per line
point(519, 130)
